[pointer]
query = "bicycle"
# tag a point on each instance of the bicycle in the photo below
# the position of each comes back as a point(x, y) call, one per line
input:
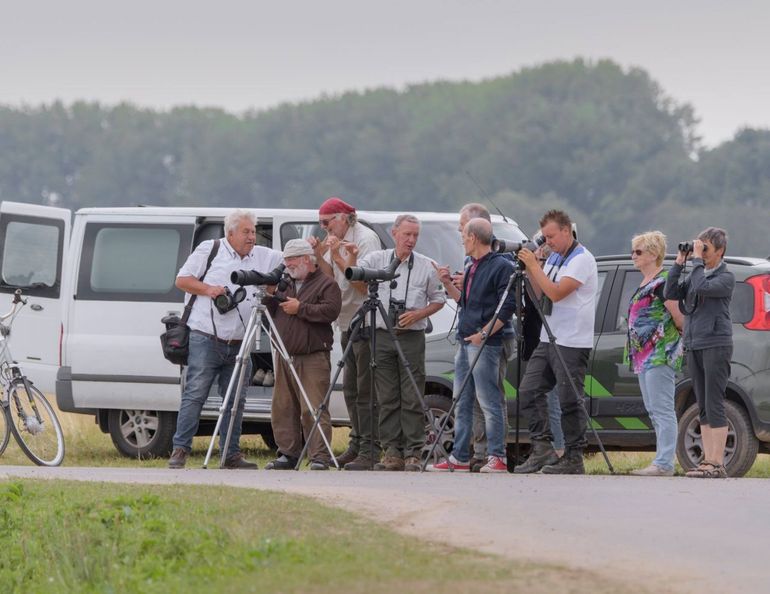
point(25, 411)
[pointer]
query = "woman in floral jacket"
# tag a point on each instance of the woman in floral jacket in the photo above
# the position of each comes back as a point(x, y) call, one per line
point(655, 348)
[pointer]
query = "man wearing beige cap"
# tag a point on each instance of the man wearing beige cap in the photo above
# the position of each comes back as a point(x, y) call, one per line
point(347, 240)
point(303, 316)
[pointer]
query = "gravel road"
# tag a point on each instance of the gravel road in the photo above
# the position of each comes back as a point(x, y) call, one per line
point(666, 534)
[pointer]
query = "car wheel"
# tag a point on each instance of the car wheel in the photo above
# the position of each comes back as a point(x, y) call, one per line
point(142, 433)
point(440, 406)
point(741, 447)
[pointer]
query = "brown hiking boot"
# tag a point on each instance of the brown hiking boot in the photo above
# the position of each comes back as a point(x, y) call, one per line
point(238, 461)
point(392, 463)
point(412, 464)
point(360, 463)
point(347, 456)
point(178, 458)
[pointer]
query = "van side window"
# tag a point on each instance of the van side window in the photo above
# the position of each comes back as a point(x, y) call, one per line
point(132, 262)
point(31, 255)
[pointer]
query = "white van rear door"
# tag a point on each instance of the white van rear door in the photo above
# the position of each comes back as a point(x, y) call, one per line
point(33, 245)
point(125, 284)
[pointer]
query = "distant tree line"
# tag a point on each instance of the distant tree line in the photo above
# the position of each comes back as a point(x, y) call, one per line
point(602, 142)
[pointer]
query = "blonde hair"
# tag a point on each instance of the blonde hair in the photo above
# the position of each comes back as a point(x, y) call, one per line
point(653, 242)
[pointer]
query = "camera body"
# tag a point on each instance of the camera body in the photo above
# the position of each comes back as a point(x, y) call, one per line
point(395, 309)
point(685, 247)
point(228, 301)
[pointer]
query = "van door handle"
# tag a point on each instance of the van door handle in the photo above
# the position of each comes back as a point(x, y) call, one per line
point(36, 307)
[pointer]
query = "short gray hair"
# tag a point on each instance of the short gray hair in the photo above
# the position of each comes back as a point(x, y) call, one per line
point(406, 218)
point(236, 216)
point(715, 235)
point(474, 210)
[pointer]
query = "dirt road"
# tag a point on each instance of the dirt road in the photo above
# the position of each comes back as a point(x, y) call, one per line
point(667, 534)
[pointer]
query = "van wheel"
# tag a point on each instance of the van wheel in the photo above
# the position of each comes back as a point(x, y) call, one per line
point(440, 406)
point(741, 447)
point(142, 433)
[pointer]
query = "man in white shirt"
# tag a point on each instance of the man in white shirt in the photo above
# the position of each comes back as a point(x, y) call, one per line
point(567, 283)
point(346, 240)
point(417, 295)
point(215, 337)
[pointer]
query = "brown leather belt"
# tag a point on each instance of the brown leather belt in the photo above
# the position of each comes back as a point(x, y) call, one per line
point(233, 342)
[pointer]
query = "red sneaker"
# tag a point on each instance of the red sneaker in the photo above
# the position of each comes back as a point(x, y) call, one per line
point(451, 465)
point(495, 464)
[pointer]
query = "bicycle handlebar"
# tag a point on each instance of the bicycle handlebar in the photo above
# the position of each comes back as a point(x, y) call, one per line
point(17, 299)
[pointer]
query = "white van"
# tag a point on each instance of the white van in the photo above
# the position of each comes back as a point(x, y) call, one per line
point(91, 329)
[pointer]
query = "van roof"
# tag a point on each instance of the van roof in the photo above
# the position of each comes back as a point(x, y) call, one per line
point(375, 216)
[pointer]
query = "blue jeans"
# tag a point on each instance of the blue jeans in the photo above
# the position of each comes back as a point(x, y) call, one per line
point(657, 384)
point(554, 416)
point(484, 385)
point(209, 359)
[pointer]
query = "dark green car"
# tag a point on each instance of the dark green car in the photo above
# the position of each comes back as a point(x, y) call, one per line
point(614, 399)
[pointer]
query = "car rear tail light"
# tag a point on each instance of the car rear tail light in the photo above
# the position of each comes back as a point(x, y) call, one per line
point(761, 318)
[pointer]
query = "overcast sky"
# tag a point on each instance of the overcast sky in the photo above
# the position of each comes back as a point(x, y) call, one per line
point(250, 54)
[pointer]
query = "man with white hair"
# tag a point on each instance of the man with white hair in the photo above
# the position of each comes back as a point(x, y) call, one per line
point(303, 316)
point(217, 332)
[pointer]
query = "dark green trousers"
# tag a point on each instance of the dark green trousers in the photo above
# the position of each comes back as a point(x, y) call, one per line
point(402, 423)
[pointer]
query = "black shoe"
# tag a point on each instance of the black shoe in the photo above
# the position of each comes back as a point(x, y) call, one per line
point(360, 463)
point(318, 465)
point(238, 462)
point(178, 458)
point(282, 462)
point(347, 456)
point(570, 463)
point(542, 454)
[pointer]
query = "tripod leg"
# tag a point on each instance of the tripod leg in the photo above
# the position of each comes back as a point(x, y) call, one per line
point(287, 358)
point(355, 330)
point(562, 362)
point(252, 329)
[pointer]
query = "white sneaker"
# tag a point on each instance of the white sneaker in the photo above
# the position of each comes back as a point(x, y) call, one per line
point(652, 470)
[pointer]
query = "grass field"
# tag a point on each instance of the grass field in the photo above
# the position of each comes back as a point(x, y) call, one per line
point(86, 445)
point(79, 537)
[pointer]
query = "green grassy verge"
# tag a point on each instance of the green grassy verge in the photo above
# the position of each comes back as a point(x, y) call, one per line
point(78, 537)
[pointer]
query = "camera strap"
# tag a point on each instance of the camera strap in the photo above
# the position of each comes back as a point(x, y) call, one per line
point(212, 255)
point(554, 268)
point(408, 274)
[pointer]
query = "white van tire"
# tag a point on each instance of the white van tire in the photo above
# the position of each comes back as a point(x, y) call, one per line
point(142, 433)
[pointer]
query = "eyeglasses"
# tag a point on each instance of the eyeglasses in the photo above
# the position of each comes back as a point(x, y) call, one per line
point(325, 222)
point(637, 252)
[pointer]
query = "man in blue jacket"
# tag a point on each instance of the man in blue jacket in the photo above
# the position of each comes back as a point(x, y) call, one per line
point(484, 284)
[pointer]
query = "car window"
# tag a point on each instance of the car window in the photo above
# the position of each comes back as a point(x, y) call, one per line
point(30, 255)
point(631, 281)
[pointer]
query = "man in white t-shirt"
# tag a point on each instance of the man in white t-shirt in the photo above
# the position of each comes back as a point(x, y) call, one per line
point(566, 285)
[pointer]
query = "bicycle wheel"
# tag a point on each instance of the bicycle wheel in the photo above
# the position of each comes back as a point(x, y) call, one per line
point(5, 428)
point(34, 425)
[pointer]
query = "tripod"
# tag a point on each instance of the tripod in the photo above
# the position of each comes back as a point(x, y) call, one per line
point(252, 337)
point(519, 282)
point(371, 306)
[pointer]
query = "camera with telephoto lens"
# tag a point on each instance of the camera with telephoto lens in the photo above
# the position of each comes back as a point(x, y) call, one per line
point(685, 247)
point(395, 309)
point(252, 277)
point(502, 246)
point(358, 273)
point(229, 301)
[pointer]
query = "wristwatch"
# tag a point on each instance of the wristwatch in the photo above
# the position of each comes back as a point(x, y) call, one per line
point(484, 335)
